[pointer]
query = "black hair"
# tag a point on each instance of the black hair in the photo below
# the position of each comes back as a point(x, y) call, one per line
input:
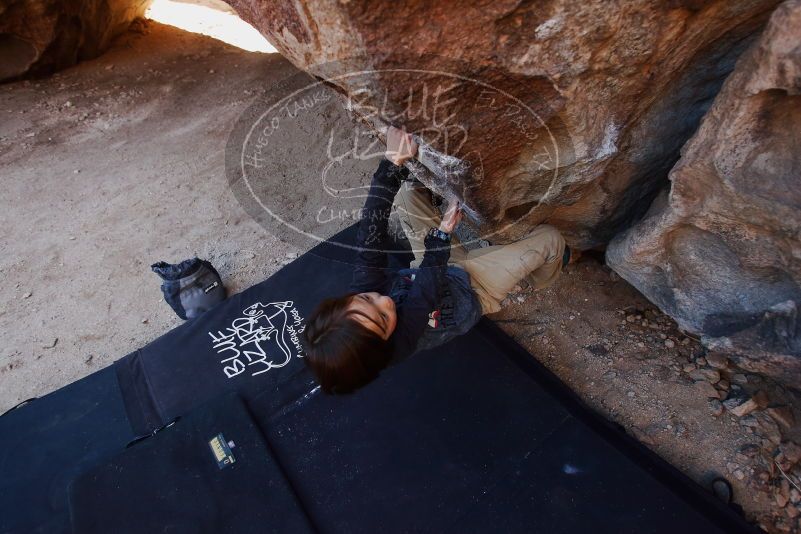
point(342, 353)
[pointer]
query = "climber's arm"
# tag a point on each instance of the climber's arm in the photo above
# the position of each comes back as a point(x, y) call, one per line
point(371, 235)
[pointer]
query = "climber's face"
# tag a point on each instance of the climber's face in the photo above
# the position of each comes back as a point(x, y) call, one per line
point(374, 311)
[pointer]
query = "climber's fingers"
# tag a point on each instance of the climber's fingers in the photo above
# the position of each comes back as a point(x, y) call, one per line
point(401, 146)
point(453, 215)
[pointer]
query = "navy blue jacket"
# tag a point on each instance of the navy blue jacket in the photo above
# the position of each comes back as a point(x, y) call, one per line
point(433, 302)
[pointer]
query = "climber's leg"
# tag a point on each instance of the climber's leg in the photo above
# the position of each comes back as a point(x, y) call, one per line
point(495, 270)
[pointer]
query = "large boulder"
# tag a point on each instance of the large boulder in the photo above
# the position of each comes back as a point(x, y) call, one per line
point(560, 111)
point(722, 251)
point(41, 36)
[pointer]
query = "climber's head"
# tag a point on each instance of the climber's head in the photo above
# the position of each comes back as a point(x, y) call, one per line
point(347, 340)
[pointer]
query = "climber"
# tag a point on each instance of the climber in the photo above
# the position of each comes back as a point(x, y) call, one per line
point(387, 317)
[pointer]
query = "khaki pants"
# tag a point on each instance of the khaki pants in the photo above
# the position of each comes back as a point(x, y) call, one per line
point(494, 270)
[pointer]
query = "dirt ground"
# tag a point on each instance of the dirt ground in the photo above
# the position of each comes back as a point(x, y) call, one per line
point(119, 162)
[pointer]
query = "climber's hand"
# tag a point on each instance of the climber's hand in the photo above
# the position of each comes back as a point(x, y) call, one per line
point(401, 147)
point(451, 218)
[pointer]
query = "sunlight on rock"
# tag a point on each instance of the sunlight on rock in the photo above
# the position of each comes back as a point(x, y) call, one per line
point(210, 17)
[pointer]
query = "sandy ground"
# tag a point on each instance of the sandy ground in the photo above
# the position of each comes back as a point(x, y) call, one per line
point(119, 162)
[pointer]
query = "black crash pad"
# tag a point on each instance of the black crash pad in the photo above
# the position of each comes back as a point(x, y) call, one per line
point(210, 472)
point(46, 443)
point(474, 439)
point(474, 436)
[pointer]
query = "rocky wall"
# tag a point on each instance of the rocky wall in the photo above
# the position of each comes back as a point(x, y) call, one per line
point(721, 251)
point(41, 36)
point(559, 111)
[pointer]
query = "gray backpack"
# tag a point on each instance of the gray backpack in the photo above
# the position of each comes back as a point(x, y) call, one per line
point(190, 287)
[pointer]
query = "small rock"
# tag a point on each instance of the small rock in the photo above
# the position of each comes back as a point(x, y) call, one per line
point(781, 500)
point(707, 389)
point(784, 488)
point(793, 512)
point(782, 415)
point(630, 394)
point(713, 377)
point(763, 477)
point(76, 171)
point(685, 341)
point(791, 451)
point(749, 450)
point(88, 360)
point(739, 378)
point(669, 343)
point(769, 429)
point(733, 402)
point(689, 368)
point(27, 295)
point(761, 398)
point(738, 474)
point(144, 321)
point(717, 360)
point(716, 407)
point(67, 104)
point(700, 361)
point(723, 384)
point(640, 344)
point(51, 345)
point(630, 318)
point(610, 374)
point(745, 408)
